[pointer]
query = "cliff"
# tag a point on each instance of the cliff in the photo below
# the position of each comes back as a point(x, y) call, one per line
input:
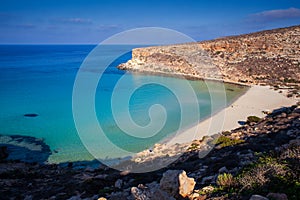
point(268, 57)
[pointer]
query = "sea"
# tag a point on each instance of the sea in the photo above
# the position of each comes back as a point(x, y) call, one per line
point(37, 100)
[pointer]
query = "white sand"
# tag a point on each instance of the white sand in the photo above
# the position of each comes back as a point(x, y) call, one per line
point(253, 102)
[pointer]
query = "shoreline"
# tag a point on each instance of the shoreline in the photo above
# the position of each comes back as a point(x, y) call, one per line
point(183, 76)
point(253, 102)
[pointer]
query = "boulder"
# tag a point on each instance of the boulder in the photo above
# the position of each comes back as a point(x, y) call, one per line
point(186, 184)
point(176, 182)
point(258, 197)
point(151, 192)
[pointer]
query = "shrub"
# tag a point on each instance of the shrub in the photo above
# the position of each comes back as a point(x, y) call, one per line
point(224, 141)
point(277, 172)
point(193, 146)
point(225, 180)
point(226, 133)
point(261, 173)
point(254, 119)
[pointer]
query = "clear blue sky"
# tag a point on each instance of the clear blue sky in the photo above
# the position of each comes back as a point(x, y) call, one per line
point(91, 21)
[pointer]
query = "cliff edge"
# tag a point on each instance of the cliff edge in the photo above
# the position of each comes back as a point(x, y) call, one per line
point(269, 57)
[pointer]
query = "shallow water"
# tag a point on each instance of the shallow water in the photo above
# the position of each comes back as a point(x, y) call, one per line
point(38, 79)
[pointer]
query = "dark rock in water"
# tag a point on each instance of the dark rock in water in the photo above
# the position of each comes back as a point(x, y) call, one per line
point(31, 115)
point(3, 152)
point(24, 148)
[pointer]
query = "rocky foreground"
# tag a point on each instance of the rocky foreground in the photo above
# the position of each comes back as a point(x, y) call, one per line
point(259, 160)
point(269, 57)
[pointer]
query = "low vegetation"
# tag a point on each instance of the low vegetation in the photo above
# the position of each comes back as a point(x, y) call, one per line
point(276, 172)
point(224, 141)
point(194, 146)
point(253, 119)
point(225, 180)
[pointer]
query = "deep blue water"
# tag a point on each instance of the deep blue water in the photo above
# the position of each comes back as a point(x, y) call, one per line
point(40, 79)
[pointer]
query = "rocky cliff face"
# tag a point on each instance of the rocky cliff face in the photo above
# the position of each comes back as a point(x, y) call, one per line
point(270, 57)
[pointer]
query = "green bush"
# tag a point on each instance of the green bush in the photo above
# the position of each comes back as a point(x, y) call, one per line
point(260, 173)
point(270, 174)
point(194, 146)
point(226, 133)
point(276, 172)
point(224, 141)
point(225, 180)
point(254, 119)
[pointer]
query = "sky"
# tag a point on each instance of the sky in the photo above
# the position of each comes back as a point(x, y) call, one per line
point(92, 21)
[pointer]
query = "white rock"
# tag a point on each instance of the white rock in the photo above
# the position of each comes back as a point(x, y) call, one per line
point(258, 197)
point(177, 182)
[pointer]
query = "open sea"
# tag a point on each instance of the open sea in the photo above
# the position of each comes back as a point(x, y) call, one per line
point(39, 79)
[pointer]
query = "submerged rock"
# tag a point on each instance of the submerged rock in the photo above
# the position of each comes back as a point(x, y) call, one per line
point(25, 148)
point(31, 115)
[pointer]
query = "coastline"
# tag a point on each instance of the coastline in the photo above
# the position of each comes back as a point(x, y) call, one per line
point(253, 102)
point(217, 158)
point(184, 76)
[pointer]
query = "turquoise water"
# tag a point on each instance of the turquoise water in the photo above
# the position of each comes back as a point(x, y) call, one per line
point(39, 79)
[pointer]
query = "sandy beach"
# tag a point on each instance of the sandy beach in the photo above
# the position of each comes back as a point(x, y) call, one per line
point(256, 100)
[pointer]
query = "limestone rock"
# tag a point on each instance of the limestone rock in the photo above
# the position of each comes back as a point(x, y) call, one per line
point(259, 58)
point(186, 184)
point(177, 182)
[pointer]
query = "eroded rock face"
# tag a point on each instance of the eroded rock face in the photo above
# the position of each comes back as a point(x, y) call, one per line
point(180, 60)
point(264, 57)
